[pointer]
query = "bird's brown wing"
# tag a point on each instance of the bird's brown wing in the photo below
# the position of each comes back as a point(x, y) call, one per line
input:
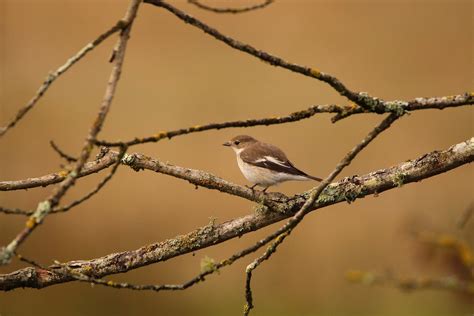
point(270, 157)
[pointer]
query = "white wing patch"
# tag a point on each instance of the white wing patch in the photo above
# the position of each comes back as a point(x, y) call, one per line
point(278, 162)
point(272, 160)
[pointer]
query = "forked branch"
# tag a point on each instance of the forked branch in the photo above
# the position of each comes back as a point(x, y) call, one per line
point(348, 189)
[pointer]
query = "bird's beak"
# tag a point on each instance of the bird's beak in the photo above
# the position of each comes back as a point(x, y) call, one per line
point(227, 144)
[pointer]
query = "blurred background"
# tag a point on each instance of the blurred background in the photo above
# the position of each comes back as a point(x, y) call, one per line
point(176, 76)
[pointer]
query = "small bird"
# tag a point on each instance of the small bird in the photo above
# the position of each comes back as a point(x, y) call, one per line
point(264, 164)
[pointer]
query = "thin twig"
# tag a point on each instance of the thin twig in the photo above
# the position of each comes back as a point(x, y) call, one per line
point(29, 261)
point(120, 25)
point(411, 284)
point(61, 153)
point(465, 216)
point(292, 117)
point(248, 271)
point(464, 252)
point(342, 111)
point(231, 10)
point(98, 187)
point(14, 211)
point(45, 207)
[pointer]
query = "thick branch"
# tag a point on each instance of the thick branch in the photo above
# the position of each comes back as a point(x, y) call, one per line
point(348, 189)
point(139, 162)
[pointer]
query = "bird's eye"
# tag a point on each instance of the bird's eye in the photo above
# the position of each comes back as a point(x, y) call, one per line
point(236, 142)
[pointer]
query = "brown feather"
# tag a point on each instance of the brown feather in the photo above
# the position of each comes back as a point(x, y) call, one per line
point(258, 150)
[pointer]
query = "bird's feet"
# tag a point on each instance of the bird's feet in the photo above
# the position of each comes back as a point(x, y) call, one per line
point(252, 187)
point(264, 191)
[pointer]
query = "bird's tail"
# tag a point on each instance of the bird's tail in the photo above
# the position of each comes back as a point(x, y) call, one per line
point(304, 174)
point(314, 178)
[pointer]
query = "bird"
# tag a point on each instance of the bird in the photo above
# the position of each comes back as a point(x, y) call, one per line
point(264, 164)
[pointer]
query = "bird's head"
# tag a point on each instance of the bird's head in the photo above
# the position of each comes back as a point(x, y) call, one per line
point(239, 143)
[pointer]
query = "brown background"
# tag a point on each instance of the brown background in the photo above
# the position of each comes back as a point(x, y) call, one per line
point(176, 76)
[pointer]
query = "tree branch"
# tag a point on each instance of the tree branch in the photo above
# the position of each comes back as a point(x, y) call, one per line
point(231, 10)
point(363, 99)
point(56, 177)
point(462, 249)
point(120, 25)
point(264, 56)
point(88, 195)
point(14, 211)
point(439, 103)
point(411, 284)
point(292, 117)
point(62, 154)
point(342, 111)
point(45, 207)
point(348, 189)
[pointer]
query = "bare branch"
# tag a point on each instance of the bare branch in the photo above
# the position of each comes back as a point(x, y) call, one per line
point(56, 74)
point(94, 191)
point(271, 208)
point(61, 153)
point(439, 103)
point(231, 10)
point(465, 216)
point(45, 207)
point(348, 189)
point(292, 117)
point(56, 177)
point(363, 99)
point(84, 198)
point(342, 111)
point(410, 284)
point(138, 162)
point(249, 270)
point(28, 261)
point(463, 250)
point(14, 211)
point(264, 56)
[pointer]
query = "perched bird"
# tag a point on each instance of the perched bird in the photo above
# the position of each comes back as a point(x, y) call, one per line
point(264, 164)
